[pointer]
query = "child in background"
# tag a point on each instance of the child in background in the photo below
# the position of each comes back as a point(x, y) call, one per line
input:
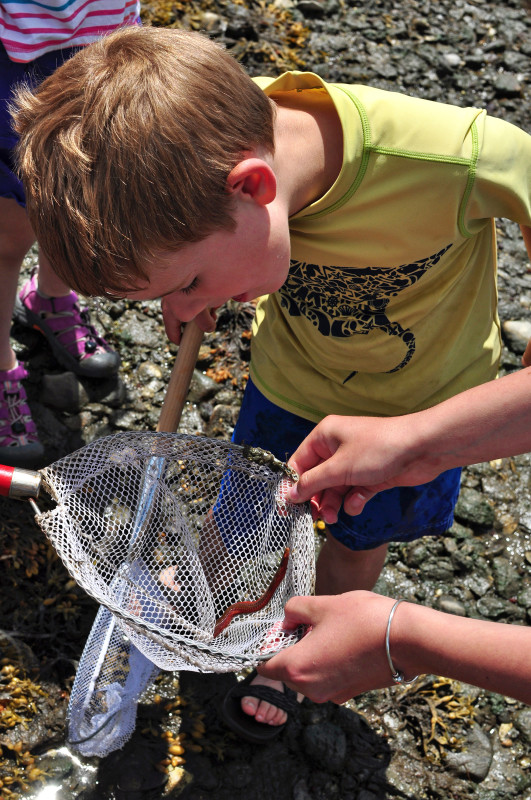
point(34, 41)
point(363, 218)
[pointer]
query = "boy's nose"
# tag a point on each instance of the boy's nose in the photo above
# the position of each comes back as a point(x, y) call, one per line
point(182, 307)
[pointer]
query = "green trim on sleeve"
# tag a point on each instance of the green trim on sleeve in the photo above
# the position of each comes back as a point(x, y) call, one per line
point(390, 151)
point(368, 148)
point(470, 182)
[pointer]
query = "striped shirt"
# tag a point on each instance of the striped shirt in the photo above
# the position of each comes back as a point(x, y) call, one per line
point(28, 29)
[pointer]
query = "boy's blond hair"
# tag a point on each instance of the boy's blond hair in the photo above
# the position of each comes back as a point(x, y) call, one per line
point(126, 148)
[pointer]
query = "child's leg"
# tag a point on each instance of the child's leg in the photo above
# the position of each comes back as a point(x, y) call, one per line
point(19, 444)
point(49, 283)
point(340, 569)
point(72, 338)
point(47, 304)
point(16, 237)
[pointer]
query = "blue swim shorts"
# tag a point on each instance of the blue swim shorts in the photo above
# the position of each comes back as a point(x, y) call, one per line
point(401, 514)
point(13, 73)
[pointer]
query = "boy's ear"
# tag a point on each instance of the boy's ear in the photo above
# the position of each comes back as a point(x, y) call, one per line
point(253, 179)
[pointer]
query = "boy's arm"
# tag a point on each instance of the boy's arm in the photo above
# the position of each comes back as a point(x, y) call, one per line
point(344, 653)
point(348, 459)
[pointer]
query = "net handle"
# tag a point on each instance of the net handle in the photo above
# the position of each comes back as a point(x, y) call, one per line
point(180, 378)
point(19, 483)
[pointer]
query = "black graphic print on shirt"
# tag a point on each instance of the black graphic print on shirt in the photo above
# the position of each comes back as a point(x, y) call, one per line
point(342, 301)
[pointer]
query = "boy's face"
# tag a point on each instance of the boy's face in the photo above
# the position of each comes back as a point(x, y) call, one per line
point(243, 264)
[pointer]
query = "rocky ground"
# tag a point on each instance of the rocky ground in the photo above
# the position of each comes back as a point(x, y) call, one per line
point(436, 740)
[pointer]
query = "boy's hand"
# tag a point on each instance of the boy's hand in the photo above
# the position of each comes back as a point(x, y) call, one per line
point(206, 320)
point(344, 653)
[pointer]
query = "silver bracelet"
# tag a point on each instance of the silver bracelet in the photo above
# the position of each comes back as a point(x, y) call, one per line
point(395, 674)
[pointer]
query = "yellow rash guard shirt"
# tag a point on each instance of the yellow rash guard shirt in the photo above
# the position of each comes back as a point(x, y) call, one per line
point(390, 302)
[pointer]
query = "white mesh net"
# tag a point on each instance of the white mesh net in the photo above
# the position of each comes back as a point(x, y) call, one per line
point(191, 549)
point(111, 676)
point(188, 541)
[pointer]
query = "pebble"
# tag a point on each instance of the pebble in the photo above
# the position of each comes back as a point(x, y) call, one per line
point(148, 371)
point(506, 578)
point(517, 333)
point(327, 743)
point(473, 508)
point(451, 605)
point(522, 721)
point(202, 387)
point(452, 60)
point(475, 760)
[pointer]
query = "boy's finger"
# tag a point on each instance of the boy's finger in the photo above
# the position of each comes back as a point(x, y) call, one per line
point(172, 325)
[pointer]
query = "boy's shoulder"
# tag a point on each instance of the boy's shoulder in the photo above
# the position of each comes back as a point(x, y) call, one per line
point(389, 120)
point(371, 101)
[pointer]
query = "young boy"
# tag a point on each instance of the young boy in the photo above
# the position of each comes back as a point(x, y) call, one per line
point(155, 167)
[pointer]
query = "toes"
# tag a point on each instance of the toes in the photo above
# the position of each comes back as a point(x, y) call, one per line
point(263, 712)
point(279, 717)
point(250, 705)
point(269, 714)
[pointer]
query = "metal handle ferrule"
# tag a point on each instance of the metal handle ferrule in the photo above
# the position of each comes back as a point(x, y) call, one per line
point(19, 483)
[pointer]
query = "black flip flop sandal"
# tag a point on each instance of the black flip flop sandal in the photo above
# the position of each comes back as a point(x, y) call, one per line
point(246, 726)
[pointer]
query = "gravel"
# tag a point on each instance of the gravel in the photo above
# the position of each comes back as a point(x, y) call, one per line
point(437, 740)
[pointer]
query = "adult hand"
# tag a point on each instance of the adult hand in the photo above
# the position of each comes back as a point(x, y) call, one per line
point(343, 655)
point(526, 358)
point(347, 460)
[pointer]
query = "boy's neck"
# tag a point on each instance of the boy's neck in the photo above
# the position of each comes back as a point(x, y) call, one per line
point(308, 152)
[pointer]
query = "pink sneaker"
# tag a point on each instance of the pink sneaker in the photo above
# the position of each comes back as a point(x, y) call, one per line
point(19, 445)
point(75, 342)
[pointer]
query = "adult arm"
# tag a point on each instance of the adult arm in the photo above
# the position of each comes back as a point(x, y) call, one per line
point(348, 459)
point(344, 654)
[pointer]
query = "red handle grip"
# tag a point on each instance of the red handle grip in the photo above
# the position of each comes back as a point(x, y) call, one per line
point(20, 483)
point(6, 476)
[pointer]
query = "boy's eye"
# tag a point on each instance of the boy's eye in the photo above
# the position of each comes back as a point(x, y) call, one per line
point(191, 286)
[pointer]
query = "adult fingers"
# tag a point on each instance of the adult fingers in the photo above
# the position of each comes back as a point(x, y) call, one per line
point(354, 500)
point(300, 611)
point(329, 475)
point(330, 503)
point(526, 358)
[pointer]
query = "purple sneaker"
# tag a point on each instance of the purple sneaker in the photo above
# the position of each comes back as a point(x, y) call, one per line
point(75, 342)
point(19, 445)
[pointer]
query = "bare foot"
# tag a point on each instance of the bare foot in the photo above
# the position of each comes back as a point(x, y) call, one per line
point(263, 711)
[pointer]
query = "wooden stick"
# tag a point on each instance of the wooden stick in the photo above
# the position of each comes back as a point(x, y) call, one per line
point(180, 378)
